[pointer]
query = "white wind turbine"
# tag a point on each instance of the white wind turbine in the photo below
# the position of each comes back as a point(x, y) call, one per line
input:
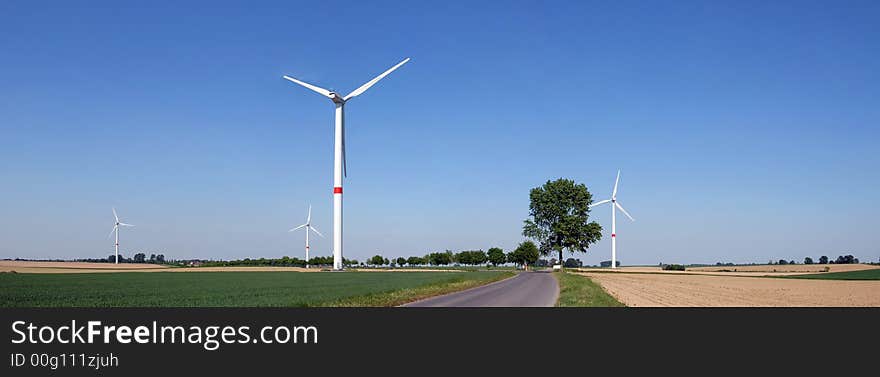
point(339, 166)
point(615, 205)
point(116, 226)
point(308, 226)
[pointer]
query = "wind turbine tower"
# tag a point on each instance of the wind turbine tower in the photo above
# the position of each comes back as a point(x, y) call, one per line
point(308, 226)
point(339, 166)
point(116, 226)
point(615, 205)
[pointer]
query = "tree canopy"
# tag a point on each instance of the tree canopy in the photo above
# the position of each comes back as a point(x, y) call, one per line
point(496, 256)
point(525, 254)
point(377, 260)
point(559, 217)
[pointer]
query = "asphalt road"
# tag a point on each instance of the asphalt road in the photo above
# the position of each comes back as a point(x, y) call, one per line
point(525, 289)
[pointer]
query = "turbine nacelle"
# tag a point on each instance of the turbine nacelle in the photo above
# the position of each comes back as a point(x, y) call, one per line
point(336, 98)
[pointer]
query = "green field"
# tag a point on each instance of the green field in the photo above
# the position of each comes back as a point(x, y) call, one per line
point(577, 290)
point(849, 275)
point(241, 289)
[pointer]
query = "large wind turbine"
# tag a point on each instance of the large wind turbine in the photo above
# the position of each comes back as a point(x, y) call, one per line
point(116, 226)
point(615, 205)
point(339, 165)
point(308, 226)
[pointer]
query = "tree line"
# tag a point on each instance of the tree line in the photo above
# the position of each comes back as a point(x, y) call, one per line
point(525, 254)
point(841, 259)
point(138, 258)
point(284, 261)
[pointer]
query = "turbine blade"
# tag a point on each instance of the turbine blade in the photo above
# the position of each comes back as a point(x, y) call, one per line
point(614, 193)
point(344, 162)
point(620, 207)
point(111, 232)
point(316, 231)
point(114, 215)
point(297, 227)
point(124, 224)
point(370, 83)
point(309, 219)
point(319, 90)
point(599, 202)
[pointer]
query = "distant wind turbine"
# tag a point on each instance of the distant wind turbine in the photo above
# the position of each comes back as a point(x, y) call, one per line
point(116, 226)
point(339, 165)
point(615, 205)
point(308, 226)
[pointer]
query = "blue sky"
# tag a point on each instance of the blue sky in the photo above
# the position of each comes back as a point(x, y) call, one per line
point(745, 131)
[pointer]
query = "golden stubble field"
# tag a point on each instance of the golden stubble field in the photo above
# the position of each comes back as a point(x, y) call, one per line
point(711, 288)
point(756, 270)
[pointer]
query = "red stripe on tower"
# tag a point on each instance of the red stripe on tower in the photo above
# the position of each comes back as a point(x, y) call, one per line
point(337, 190)
point(613, 235)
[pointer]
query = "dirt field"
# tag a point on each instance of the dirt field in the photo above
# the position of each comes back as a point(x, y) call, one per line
point(640, 289)
point(758, 270)
point(73, 267)
point(799, 268)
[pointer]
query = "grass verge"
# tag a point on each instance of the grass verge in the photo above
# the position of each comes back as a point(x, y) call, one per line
point(406, 295)
point(579, 290)
point(232, 289)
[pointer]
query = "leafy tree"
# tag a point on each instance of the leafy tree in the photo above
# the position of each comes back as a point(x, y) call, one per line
point(160, 258)
point(377, 260)
point(463, 257)
point(496, 256)
point(559, 212)
point(823, 260)
point(471, 257)
point(572, 263)
point(139, 258)
point(401, 261)
point(438, 259)
point(414, 261)
point(512, 257)
point(782, 261)
point(479, 257)
point(386, 261)
point(152, 258)
point(525, 254)
point(315, 261)
point(808, 260)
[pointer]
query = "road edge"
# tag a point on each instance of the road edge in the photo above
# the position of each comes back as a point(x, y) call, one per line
point(463, 290)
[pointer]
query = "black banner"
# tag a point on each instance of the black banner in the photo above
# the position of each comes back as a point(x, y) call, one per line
point(129, 341)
